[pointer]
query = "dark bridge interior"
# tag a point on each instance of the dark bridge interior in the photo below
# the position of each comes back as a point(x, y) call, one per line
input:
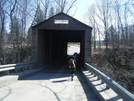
point(52, 44)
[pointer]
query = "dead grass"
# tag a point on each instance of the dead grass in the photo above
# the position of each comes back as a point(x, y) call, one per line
point(118, 72)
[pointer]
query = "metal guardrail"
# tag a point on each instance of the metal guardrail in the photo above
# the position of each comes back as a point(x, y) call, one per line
point(122, 92)
point(16, 66)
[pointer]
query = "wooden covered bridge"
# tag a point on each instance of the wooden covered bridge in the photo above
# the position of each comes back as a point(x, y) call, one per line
point(52, 82)
point(50, 38)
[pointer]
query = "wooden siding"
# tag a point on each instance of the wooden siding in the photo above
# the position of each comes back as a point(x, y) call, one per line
point(43, 36)
point(88, 46)
point(73, 23)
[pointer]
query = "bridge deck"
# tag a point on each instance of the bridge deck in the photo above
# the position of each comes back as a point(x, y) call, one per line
point(52, 84)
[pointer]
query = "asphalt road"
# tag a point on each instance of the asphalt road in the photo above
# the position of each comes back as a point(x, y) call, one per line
point(52, 84)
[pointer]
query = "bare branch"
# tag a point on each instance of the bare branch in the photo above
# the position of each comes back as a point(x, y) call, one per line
point(71, 5)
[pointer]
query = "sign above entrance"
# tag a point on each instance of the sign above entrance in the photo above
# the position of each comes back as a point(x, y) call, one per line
point(61, 21)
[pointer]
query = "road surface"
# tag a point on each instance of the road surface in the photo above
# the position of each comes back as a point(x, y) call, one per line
point(52, 84)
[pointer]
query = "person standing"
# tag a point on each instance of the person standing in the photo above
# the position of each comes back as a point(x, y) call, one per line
point(72, 67)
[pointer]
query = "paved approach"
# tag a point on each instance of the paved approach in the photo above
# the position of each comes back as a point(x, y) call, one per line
point(52, 84)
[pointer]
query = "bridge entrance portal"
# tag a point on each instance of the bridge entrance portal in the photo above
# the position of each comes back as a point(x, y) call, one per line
point(50, 39)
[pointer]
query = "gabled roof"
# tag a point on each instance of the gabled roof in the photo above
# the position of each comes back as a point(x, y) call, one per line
point(62, 16)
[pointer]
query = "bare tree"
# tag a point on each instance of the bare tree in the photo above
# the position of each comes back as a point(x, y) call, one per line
point(46, 5)
point(6, 7)
point(64, 5)
point(92, 22)
point(51, 12)
point(104, 13)
point(2, 29)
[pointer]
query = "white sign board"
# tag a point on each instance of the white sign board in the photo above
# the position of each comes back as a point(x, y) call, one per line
point(61, 21)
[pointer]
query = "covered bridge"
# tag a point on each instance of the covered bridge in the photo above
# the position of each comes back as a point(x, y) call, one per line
point(50, 38)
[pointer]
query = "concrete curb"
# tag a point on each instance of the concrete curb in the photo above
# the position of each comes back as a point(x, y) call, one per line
point(79, 91)
point(14, 77)
point(100, 89)
point(5, 80)
point(27, 73)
